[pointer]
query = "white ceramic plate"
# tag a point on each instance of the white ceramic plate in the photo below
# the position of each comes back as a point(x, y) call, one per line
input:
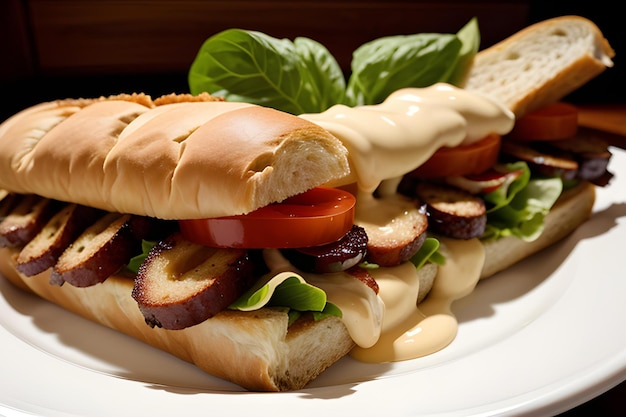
point(543, 337)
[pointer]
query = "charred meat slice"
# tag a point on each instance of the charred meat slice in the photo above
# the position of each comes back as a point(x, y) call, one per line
point(43, 251)
point(181, 284)
point(552, 164)
point(101, 250)
point(25, 220)
point(333, 257)
point(396, 228)
point(590, 151)
point(453, 212)
point(585, 156)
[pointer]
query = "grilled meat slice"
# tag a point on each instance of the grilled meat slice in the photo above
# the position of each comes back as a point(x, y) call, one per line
point(333, 257)
point(590, 151)
point(43, 251)
point(396, 230)
point(453, 212)
point(545, 163)
point(181, 284)
point(25, 220)
point(101, 250)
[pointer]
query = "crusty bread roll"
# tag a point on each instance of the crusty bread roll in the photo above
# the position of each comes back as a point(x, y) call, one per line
point(541, 64)
point(103, 154)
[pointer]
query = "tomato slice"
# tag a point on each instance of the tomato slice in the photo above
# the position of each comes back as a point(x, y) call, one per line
point(461, 160)
point(555, 121)
point(317, 217)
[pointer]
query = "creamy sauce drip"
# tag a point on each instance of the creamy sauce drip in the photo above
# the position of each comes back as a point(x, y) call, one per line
point(384, 142)
point(387, 140)
point(410, 331)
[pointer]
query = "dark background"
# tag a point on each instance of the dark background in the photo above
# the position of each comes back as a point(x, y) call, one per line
point(88, 48)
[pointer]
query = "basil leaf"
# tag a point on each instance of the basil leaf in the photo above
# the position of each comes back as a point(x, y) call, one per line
point(326, 81)
point(470, 37)
point(387, 64)
point(253, 67)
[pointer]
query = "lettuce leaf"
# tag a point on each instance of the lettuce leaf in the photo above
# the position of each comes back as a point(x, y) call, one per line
point(136, 261)
point(519, 209)
point(429, 252)
point(288, 290)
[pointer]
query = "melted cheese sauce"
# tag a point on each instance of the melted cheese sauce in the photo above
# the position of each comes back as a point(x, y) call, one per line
point(385, 142)
point(410, 331)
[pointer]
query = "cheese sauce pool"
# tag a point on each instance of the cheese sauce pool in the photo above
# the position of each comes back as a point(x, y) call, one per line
point(386, 141)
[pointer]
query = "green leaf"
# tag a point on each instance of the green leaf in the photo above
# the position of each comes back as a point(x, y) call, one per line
point(470, 37)
point(429, 251)
point(503, 195)
point(136, 261)
point(326, 80)
point(524, 216)
point(298, 295)
point(253, 67)
point(329, 310)
point(286, 289)
point(387, 64)
point(303, 77)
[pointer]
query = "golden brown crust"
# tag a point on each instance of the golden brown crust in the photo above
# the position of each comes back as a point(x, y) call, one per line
point(541, 64)
point(185, 159)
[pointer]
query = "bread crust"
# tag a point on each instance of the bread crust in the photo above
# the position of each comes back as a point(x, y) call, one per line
point(541, 63)
point(214, 158)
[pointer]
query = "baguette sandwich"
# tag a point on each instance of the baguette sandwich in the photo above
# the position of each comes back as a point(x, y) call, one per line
point(247, 212)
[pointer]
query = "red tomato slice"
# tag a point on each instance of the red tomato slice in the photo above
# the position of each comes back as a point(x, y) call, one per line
point(317, 217)
point(555, 121)
point(461, 160)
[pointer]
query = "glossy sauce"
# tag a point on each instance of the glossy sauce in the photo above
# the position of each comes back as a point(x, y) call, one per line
point(385, 142)
point(409, 331)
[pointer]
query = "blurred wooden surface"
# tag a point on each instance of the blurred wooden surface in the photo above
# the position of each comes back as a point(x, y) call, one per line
point(610, 118)
point(70, 48)
point(114, 36)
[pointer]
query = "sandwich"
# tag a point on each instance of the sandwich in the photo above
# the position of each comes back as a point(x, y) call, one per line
point(259, 245)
